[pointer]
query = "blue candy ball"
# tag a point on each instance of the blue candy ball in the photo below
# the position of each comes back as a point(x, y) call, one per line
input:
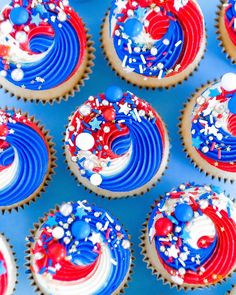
point(19, 15)
point(80, 230)
point(133, 27)
point(114, 93)
point(183, 212)
point(232, 104)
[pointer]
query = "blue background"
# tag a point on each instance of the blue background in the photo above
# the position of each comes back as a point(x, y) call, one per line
point(131, 212)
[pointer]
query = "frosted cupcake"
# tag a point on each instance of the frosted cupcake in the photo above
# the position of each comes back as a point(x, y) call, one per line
point(208, 128)
point(79, 249)
point(8, 268)
point(226, 27)
point(26, 159)
point(154, 43)
point(45, 53)
point(189, 237)
point(116, 144)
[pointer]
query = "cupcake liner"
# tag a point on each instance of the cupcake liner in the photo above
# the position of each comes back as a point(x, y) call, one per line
point(157, 273)
point(30, 242)
point(189, 150)
point(114, 195)
point(51, 166)
point(232, 291)
point(221, 37)
point(139, 77)
point(42, 95)
point(7, 242)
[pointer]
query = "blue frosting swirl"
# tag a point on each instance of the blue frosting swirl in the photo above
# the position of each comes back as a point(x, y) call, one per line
point(33, 158)
point(53, 68)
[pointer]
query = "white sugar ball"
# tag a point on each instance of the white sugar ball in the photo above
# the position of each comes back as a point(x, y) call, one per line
point(17, 75)
point(166, 42)
point(153, 51)
point(66, 209)
point(89, 165)
point(85, 141)
point(58, 232)
point(62, 16)
point(125, 244)
point(205, 149)
point(228, 81)
point(85, 109)
point(21, 37)
point(3, 73)
point(96, 179)
point(6, 27)
point(106, 129)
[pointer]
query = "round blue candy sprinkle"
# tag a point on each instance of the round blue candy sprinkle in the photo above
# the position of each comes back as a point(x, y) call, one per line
point(232, 104)
point(133, 27)
point(19, 15)
point(80, 230)
point(183, 212)
point(114, 93)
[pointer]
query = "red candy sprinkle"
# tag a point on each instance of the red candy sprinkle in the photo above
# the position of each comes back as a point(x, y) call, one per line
point(163, 226)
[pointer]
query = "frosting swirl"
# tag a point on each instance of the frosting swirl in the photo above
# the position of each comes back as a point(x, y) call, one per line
point(156, 38)
point(193, 230)
point(214, 124)
point(33, 35)
point(7, 268)
point(229, 19)
point(24, 157)
point(116, 144)
point(80, 249)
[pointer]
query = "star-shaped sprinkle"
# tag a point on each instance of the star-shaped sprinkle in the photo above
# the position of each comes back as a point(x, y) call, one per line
point(121, 4)
point(95, 238)
point(95, 124)
point(2, 268)
point(214, 92)
point(36, 19)
point(124, 108)
point(196, 142)
point(51, 221)
point(173, 251)
point(140, 12)
point(80, 213)
point(185, 235)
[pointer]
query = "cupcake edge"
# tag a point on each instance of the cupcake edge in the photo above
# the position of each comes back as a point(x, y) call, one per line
point(69, 87)
point(12, 254)
point(73, 168)
point(29, 244)
point(150, 83)
point(185, 126)
point(222, 35)
point(151, 264)
point(51, 166)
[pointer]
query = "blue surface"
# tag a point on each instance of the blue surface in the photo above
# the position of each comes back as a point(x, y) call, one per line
point(64, 188)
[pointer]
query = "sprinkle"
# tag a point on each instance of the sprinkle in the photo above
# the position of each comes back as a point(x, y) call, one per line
point(113, 262)
point(124, 61)
point(160, 74)
point(141, 69)
point(178, 43)
point(143, 59)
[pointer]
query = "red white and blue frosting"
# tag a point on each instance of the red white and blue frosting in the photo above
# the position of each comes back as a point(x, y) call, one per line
point(80, 249)
point(193, 229)
point(42, 43)
point(214, 124)
point(156, 38)
point(117, 141)
point(230, 19)
point(24, 157)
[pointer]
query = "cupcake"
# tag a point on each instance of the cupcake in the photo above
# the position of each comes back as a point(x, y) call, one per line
point(79, 249)
point(154, 43)
point(226, 27)
point(26, 159)
point(189, 237)
point(8, 268)
point(116, 144)
point(45, 53)
point(208, 128)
